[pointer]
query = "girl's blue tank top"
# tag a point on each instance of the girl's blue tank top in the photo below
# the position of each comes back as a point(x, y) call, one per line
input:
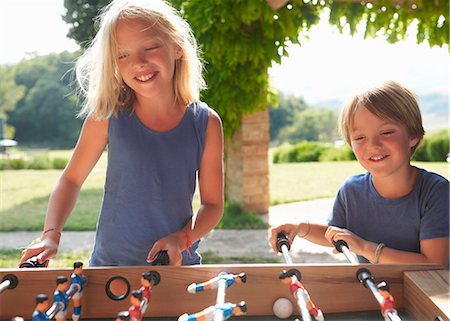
point(150, 183)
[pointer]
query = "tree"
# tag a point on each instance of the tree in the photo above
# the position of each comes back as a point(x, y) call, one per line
point(283, 115)
point(10, 93)
point(46, 115)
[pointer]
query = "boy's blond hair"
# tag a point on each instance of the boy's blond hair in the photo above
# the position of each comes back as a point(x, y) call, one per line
point(97, 70)
point(391, 100)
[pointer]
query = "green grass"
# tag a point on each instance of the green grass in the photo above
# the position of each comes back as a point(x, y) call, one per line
point(9, 258)
point(24, 193)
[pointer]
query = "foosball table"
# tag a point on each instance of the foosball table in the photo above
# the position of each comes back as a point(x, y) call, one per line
point(421, 291)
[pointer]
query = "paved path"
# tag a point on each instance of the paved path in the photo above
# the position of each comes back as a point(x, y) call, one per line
point(224, 243)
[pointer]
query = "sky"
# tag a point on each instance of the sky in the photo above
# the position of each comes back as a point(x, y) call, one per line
point(327, 66)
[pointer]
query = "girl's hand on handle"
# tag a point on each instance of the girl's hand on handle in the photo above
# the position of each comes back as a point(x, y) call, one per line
point(169, 243)
point(354, 242)
point(291, 230)
point(43, 250)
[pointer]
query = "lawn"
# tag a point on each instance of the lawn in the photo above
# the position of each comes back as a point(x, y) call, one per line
point(24, 194)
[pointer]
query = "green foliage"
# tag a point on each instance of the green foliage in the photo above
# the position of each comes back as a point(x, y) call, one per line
point(234, 218)
point(39, 163)
point(334, 154)
point(305, 151)
point(284, 113)
point(311, 124)
point(390, 19)
point(10, 92)
point(46, 115)
point(434, 147)
point(59, 163)
point(36, 163)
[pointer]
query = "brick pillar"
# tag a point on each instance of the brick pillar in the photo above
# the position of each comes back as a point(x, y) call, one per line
point(246, 164)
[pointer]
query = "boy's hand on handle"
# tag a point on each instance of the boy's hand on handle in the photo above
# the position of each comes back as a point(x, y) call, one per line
point(354, 242)
point(43, 250)
point(290, 230)
point(170, 244)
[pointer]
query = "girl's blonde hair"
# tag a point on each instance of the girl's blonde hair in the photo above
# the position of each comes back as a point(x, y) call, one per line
point(97, 71)
point(391, 100)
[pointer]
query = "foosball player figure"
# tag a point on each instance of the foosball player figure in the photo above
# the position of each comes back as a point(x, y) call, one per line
point(123, 316)
point(148, 281)
point(296, 285)
point(41, 308)
point(135, 308)
point(214, 282)
point(77, 279)
point(388, 300)
point(227, 309)
point(60, 297)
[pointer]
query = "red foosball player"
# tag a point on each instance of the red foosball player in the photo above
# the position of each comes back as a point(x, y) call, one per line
point(135, 308)
point(387, 306)
point(296, 288)
point(227, 310)
point(214, 282)
point(148, 280)
point(40, 311)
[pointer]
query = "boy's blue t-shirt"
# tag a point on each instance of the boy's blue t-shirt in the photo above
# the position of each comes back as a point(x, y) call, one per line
point(398, 223)
point(149, 187)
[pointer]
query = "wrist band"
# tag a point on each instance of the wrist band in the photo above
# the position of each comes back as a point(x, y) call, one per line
point(377, 253)
point(52, 230)
point(188, 243)
point(307, 232)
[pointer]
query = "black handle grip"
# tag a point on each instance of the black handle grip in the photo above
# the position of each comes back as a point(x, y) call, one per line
point(162, 258)
point(339, 244)
point(282, 240)
point(32, 263)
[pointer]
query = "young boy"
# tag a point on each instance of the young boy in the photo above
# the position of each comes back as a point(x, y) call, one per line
point(396, 212)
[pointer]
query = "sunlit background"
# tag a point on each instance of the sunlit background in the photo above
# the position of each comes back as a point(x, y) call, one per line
point(325, 70)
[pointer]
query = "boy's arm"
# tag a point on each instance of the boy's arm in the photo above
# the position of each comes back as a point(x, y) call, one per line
point(310, 231)
point(432, 251)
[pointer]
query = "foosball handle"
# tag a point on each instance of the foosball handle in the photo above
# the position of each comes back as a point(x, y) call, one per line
point(33, 263)
point(339, 244)
point(162, 258)
point(282, 240)
point(363, 275)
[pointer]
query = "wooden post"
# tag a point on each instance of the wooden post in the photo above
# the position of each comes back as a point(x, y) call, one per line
point(246, 164)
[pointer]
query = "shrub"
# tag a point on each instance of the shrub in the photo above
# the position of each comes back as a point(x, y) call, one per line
point(235, 219)
point(39, 163)
point(304, 151)
point(433, 148)
point(59, 163)
point(337, 154)
point(17, 163)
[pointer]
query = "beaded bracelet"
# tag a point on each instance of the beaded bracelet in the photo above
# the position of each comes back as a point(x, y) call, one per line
point(377, 253)
point(52, 230)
